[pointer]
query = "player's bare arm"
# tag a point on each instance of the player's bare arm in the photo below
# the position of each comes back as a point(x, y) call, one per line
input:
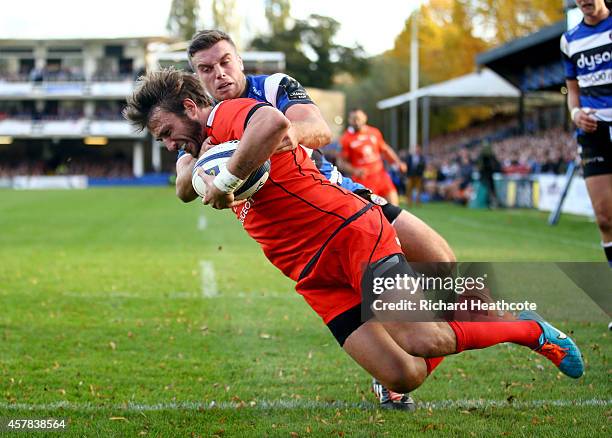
point(184, 168)
point(308, 124)
point(391, 157)
point(266, 129)
point(581, 116)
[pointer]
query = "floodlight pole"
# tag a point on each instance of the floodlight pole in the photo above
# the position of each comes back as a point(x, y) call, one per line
point(414, 82)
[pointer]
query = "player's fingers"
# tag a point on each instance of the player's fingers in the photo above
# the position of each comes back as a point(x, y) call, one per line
point(206, 145)
point(237, 203)
point(588, 124)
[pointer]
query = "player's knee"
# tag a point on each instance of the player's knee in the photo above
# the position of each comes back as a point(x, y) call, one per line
point(446, 253)
point(604, 221)
point(404, 377)
point(430, 342)
point(422, 243)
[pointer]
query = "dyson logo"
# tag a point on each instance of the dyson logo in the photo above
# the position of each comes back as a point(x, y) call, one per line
point(593, 61)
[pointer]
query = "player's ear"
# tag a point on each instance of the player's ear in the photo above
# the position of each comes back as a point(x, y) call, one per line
point(190, 107)
point(240, 63)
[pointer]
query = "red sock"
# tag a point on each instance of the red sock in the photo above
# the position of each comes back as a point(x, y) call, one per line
point(432, 363)
point(476, 335)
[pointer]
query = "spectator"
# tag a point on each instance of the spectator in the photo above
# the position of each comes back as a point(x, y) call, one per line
point(415, 169)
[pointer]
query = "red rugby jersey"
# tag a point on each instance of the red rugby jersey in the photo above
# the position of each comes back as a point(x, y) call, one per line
point(363, 149)
point(297, 210)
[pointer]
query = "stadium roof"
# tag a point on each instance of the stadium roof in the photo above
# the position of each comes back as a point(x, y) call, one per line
point(246, 56)
point(476, 88)
point(144, 38)
point(532, 62)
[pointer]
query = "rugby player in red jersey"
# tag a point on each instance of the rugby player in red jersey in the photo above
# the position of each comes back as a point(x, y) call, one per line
point(325, 238)
point(363, 150)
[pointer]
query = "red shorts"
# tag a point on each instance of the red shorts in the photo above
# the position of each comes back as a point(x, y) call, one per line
point(380, 183)
point(334, 284)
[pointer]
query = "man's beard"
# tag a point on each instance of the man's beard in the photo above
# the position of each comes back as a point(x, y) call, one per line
point(196, 135)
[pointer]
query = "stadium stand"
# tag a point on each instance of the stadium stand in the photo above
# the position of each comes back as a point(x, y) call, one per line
point(61, 103)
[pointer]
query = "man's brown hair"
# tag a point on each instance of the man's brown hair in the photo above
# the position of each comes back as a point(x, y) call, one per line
point(164, 89)
point(205, 39)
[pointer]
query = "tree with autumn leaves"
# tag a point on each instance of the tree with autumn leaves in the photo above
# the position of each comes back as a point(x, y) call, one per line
point(450, 33)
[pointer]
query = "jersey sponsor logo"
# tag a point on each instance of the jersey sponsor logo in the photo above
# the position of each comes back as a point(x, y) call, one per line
point(593, 160)
point(256, 91)
point(602, 77)
point(592, 61)
point(246, 207)
point(293, 89)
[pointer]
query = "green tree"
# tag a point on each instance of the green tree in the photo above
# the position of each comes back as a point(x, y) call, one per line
point(310, 52)
point(225, 17)
point(506, 20)
point(278, 15)
point(183, 19)
point(451, 33)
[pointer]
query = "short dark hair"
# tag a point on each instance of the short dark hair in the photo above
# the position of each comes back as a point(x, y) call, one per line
point(205, 39)
point(164, 89)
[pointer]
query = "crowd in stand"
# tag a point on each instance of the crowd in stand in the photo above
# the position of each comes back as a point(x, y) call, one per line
point(99, 167)
point(66, 74)
point(452, 162)
point(57, 74)
point(449, 173)
point(104, 113)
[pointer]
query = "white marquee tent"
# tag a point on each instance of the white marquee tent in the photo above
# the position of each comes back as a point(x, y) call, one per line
point(479, 88)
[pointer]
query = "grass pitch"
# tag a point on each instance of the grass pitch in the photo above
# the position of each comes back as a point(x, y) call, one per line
point(106, 322)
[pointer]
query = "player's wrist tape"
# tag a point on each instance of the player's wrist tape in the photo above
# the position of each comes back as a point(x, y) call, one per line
point(226, 182)
point(574, 112)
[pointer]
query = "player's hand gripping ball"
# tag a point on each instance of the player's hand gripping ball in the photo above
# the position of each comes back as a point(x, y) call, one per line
point(216, 158)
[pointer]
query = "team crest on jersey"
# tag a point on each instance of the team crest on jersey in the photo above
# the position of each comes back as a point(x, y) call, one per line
point(378, 200)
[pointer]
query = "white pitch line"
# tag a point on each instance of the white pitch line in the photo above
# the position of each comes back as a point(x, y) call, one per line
point(209, 282)
point(177, 295)
point(202, 222)
point(299, 404)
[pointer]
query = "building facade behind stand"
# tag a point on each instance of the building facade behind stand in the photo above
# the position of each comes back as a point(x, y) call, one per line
point(61, 103)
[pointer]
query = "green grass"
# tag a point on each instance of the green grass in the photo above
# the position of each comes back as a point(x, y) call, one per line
point(103, 320)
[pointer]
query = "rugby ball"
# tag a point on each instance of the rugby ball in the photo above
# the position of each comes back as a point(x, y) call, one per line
point(216, 158)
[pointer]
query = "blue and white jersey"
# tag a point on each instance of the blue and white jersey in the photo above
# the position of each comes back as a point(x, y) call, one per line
point(587, 57)
point(279, 90)
point(282, 91)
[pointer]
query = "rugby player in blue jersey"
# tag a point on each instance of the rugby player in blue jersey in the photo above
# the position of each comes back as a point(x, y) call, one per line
point(213, 57)
point(587, 56)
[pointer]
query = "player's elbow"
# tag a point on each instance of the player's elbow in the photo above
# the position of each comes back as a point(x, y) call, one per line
point(282, 123)
point(279, 126)
point(184, 193)
point(185, 197)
